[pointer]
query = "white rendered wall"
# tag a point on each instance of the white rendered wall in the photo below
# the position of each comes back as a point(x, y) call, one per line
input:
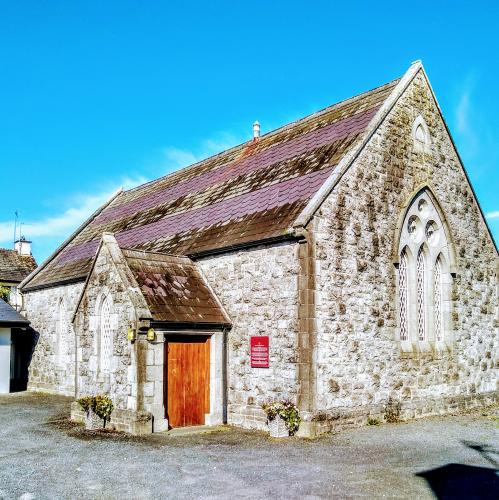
point(4, 360)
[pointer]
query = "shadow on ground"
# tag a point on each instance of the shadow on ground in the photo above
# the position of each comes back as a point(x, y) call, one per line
point(458, 481)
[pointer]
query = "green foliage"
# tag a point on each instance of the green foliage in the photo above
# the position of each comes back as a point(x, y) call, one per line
point(101, 405)
point(4, 292)
point(392, 410)
point(286, 410)
point(372, 421)
point(86, 403)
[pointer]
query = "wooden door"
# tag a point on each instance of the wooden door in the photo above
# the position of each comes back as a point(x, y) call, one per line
point(187, 381)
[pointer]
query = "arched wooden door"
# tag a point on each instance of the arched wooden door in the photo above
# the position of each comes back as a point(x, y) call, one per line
point(187, 380)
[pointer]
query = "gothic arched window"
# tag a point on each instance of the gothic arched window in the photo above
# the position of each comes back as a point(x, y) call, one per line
point(105, 335)
point(421, 135)
point(421, 294)
point(423, 280)
point(403, 293)
point(438, 300)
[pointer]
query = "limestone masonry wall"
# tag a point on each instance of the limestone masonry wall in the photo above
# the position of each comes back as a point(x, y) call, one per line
point(258, 288)
point(359, 360)
point(49, 371)
point(105, 281)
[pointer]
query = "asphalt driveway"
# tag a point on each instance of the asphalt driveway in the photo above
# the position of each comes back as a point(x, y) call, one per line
point(43, 455)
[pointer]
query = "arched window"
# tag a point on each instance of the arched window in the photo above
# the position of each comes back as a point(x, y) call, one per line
point(421, 294)
point(62, 334)
point(105, 335)
point(423, 280)
point(438, 300)
point(403, 293)
point(421, 135)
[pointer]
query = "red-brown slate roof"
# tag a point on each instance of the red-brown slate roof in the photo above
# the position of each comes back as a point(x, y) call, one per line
point(253, 192)
point(14, 267)
point(175, 289)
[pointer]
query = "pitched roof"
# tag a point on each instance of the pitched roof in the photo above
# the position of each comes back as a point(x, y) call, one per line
point(253, 192)
point(175, 289)
point(10, 317)
point(14, 267)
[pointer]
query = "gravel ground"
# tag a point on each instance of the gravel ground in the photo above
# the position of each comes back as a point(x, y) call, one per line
point(43, 455)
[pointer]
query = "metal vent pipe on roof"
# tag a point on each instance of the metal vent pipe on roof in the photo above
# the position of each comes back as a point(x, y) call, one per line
point(256, 130)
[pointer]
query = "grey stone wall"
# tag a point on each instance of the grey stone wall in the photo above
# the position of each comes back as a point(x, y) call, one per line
point(105, 280)
point(359, 360)
point(47, 372)
point(258, 288)
point(135, 378)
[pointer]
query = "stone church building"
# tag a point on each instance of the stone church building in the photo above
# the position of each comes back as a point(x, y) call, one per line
point(341, 261)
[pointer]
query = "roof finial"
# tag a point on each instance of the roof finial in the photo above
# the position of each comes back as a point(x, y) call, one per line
point(256, 130)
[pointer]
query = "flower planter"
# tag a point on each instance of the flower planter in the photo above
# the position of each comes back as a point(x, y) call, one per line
point(277, 427)
point(97, 410)
point(93, 421)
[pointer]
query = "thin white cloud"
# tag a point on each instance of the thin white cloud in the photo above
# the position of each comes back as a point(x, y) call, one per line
point(83, 205)
point(462, 112)
point(493, 215)
point(466, 120)
point(59, 225)
point(175, 157)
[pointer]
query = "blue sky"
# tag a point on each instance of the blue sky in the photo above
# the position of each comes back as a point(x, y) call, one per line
point(98, 95)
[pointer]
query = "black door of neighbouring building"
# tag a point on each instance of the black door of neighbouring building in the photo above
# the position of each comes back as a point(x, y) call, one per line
point(21, 350)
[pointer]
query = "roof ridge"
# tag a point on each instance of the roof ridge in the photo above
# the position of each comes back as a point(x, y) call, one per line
point(267, 134)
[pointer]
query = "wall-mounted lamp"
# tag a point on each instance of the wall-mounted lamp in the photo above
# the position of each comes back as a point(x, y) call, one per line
point(131, 334)
point(151, 335)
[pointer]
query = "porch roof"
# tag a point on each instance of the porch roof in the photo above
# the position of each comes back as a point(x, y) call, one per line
point(175, 289)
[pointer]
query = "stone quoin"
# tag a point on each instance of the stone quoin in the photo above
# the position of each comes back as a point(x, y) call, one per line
point(351, 238)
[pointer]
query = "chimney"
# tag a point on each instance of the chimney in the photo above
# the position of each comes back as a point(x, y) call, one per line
point(256, 130)
point(23, 246)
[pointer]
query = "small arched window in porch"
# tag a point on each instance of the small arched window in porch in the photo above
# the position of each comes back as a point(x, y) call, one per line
point(105, 335)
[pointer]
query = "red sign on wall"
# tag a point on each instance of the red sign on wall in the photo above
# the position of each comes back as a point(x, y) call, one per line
point(259, 352)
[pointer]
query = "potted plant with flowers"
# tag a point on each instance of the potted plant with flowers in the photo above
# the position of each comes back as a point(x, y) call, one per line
point(283, 418)
point(97, 410)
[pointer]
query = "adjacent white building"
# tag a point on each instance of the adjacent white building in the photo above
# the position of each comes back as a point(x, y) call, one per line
point(11, 322)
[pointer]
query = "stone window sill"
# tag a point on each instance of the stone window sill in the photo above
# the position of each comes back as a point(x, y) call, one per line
point(417, 349)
